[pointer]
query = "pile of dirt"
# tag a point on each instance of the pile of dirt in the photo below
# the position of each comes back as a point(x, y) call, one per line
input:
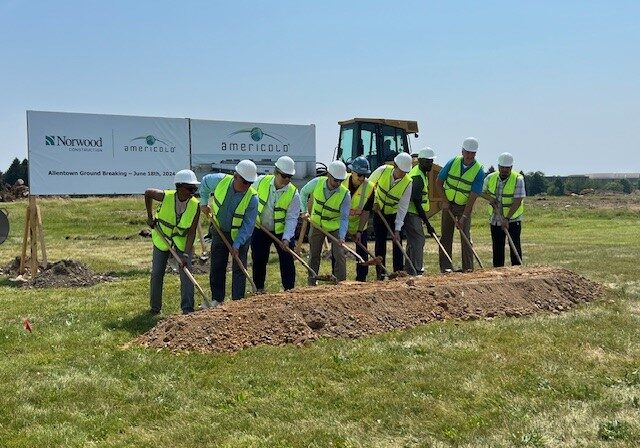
point(63, 273)
point(353, 309)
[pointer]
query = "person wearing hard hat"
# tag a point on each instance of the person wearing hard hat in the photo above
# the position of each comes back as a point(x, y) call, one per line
point(418, 209)
point(459, 184)
point(329, 207)
point(278, 211)
point(361, 191)
point(234, 208)
point(507, 189)
point(392, 197)
point(176, 220)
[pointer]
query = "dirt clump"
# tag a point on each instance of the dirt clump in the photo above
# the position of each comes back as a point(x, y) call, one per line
point(62, 273)
point(354, 309)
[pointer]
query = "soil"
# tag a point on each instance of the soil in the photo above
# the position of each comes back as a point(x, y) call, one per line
point(353, 309)
point(63, 273)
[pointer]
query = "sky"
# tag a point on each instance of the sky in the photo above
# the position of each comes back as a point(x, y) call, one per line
point(557, 84)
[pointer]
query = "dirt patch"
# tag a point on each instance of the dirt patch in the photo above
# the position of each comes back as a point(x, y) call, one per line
point(199, 265)
point(63, 273)
point(353, 309)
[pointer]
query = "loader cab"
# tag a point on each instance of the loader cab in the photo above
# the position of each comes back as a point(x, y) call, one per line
point(377, 139)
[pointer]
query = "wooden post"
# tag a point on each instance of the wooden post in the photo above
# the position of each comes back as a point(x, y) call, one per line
point(33, 231)
point(25, 239)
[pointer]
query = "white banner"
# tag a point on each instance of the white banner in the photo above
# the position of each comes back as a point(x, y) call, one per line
point(220, 145)
point(73, 153)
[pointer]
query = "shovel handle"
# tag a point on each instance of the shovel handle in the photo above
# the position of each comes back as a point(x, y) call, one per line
point(464, 237)
point(371, 255)
point(496, 209)
point(404, 253)
point(337, 241)
point(230, 249)
point(295, 255)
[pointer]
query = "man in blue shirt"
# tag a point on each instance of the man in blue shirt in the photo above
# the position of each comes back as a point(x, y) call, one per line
point(459, 184)
point(234, 207)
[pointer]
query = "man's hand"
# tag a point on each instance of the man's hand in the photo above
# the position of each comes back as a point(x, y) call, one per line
point(396, 235)
point(505, 223)
point(304, 215)
point(185, 260)
point(342, 241)
point(358, 237)
point(205, 209)
point(151, 221)
point(285, 245)
point(462, 221)
point(430, 228)
point(235, 252)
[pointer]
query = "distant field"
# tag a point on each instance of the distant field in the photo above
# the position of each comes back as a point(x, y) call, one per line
point(548, 381)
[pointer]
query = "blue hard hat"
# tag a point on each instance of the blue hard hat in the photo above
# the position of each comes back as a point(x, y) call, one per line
point(360, 165)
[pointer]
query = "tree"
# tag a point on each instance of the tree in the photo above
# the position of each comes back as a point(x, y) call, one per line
point(614, 186)
point(491, 169)
point(13, 173)
point(24, 171)
point(535, 183)
point(575, 184)
point(626, 186)
point(557, 189)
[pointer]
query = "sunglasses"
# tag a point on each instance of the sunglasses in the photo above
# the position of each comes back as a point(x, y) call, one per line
point(190, 188)
point(284, 176)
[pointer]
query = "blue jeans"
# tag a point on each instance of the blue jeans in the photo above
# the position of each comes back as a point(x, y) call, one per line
point(158, 267)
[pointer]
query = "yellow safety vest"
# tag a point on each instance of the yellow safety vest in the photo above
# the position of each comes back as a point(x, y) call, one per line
point(220, 193)
point(326, 210)
point(387, 196)
point(424, 201)
point(457, 186)
point(281, 206)
point(174, 229)
point(358, 201)
point(507, 192)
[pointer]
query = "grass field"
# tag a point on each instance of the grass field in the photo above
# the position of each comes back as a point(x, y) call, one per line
point(549, 381)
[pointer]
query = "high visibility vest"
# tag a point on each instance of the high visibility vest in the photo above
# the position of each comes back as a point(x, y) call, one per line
point(174, 229)
point(424, 201)
point(358, 201)
point(457, 186)
point(508, 190)
point(281, 206)
point(220, 193)
point(326, 210)
point(388, 196)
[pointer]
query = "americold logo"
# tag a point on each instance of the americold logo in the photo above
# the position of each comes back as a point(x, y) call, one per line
point(256, 135)
point(151, 144)
point(74, 143)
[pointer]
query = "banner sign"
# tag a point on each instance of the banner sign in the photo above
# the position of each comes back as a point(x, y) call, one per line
point(219, 145)
point(72, 153)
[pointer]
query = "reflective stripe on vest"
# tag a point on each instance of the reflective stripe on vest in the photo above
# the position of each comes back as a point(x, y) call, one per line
point(166, 216)
point(281, 206)
point(424, 199)
point(508, 190)
point(358, 201)
point(220, 193)
point(326, 211)
point(457, 186)
point(387, 196)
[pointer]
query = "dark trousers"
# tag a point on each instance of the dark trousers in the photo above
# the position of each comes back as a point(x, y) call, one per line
point(260, 246)
point(498, 238)
point(362, 271)
point(218, 272)
point(158, 267)
point(381, 243)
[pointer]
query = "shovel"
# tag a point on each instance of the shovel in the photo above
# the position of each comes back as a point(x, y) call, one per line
point(205, 300)
point(464, 237)
point(495, 206)
point(322, 278)
point(404, 253)
point(235, 257)
point(371, 262)
point(435, 237)
point(377, 260)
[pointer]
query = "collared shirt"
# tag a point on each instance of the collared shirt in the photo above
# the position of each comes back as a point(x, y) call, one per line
point(231, 201)
point(403, 203)
point(291, 219)
point(519, 192)
point(307, 190)
point(476, 186)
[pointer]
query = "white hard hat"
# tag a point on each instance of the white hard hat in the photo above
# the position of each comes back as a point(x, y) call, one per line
point(470, 144)
point(286, 165)
point(338, 170)
point(185, 177)
point(403, 161)
point(427, 153)
point(247, 170)
point(505, 159)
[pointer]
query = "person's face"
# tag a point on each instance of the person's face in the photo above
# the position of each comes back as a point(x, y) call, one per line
point(239, 183)
point(425, 164)
point(468, 156)
point(333, 182)
point(282, 178)
point(187, 189)
point(357, 179)
point(504, 171)
point(398, 173)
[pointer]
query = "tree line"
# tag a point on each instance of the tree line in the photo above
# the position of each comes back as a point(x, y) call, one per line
point(17, 170)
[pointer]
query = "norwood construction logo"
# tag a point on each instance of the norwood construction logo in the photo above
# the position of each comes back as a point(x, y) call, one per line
point(256, 135)
point(150, 143)
point(74, 143)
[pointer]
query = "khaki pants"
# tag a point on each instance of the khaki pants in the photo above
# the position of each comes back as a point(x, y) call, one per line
point(316, 238)
point(448, 228)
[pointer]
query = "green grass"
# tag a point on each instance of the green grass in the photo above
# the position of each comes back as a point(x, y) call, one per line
point(545, 381)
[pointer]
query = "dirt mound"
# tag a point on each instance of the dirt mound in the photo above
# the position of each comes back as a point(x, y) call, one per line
point(63, 273)
point(353, 309)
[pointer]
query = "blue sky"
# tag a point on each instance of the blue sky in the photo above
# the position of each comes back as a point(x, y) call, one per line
point(555, 83)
